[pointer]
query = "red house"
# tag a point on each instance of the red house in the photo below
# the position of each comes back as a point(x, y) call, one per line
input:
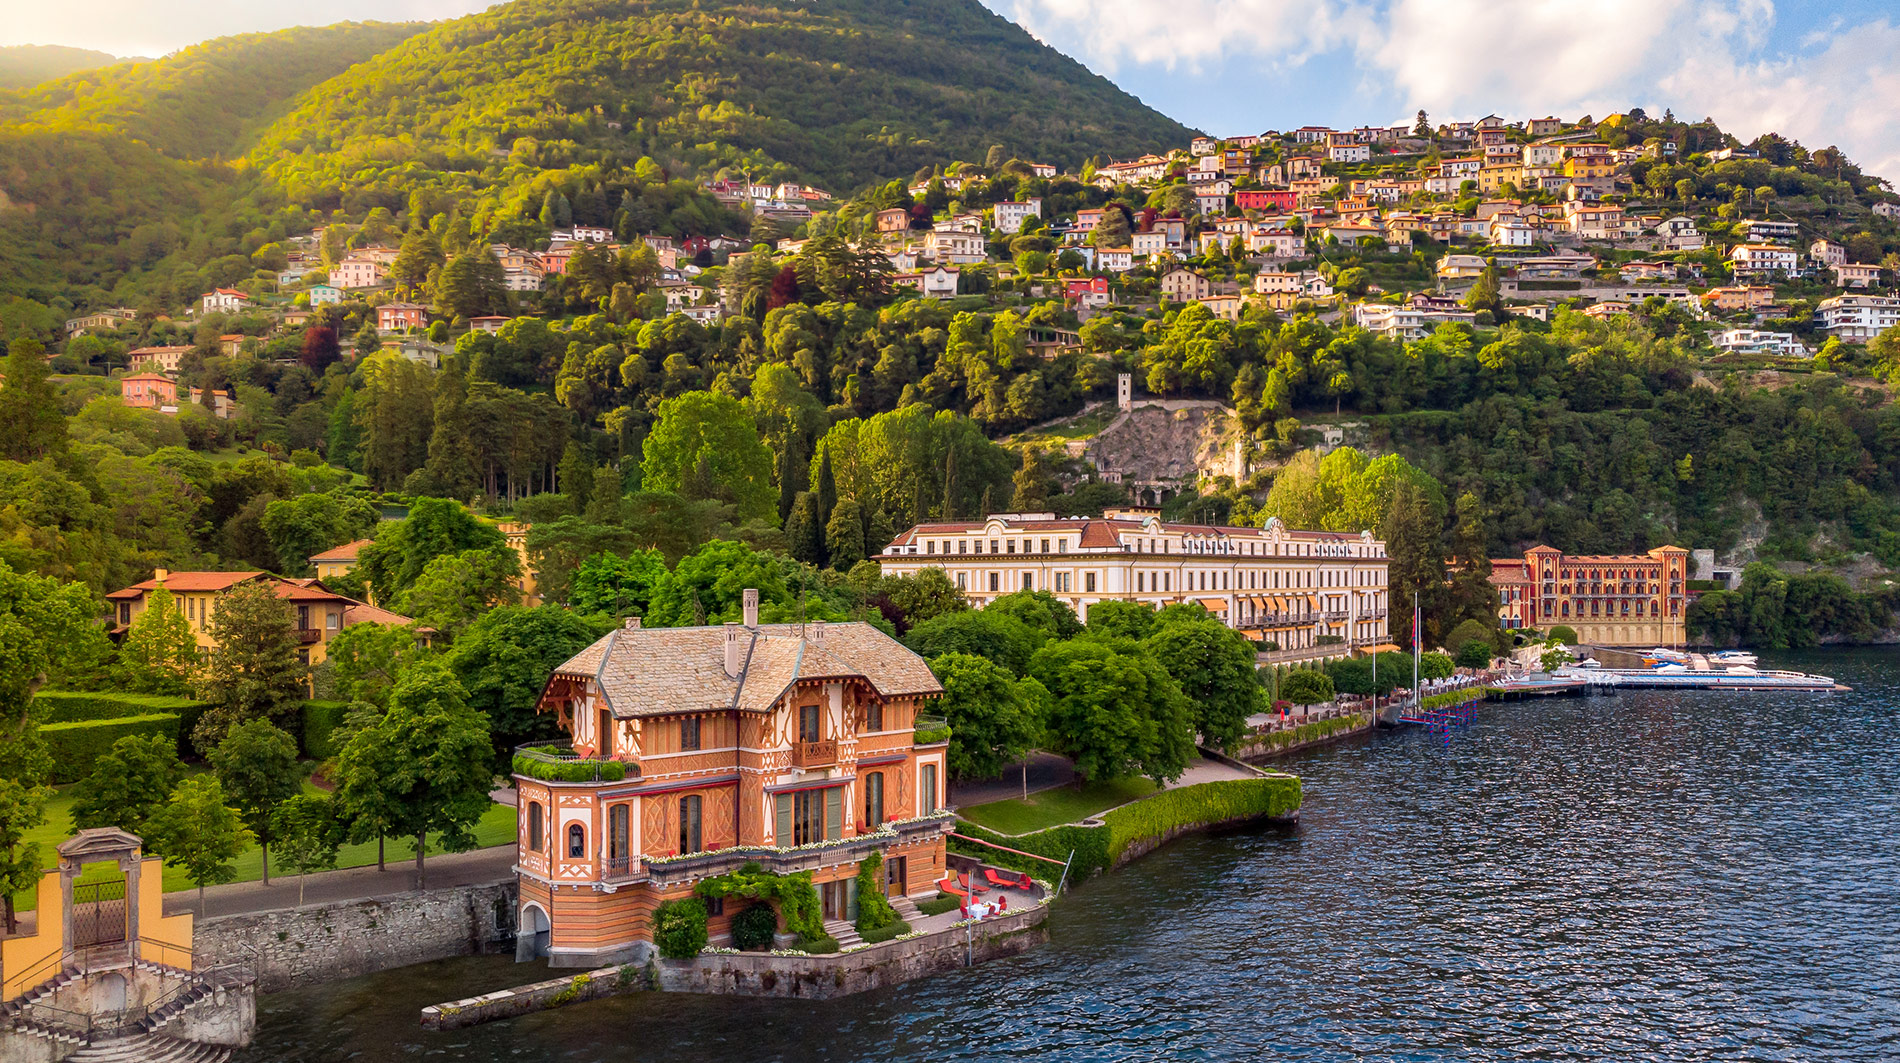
point(395, 317)
point(1266, 199)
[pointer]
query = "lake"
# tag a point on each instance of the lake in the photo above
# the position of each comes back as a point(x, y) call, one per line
point(1663, 875)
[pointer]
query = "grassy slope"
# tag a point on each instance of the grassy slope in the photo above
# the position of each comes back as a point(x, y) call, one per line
point(1050, 808)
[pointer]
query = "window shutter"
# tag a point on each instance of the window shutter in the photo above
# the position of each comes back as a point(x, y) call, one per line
point(834, 813)
point(784, 821)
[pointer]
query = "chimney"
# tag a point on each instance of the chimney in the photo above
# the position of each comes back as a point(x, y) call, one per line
point(817, 635)
point(633, 623)
point(751, 599)
point(159, 575)
point(735, 649)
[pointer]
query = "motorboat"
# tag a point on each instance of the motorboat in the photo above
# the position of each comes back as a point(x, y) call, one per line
point(1732, 659)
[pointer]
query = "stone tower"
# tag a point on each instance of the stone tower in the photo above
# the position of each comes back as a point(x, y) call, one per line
point(1125, 391)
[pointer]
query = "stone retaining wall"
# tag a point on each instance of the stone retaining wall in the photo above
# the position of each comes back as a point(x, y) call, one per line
point(540, 996)
point(289, 948)
point(1259, 753)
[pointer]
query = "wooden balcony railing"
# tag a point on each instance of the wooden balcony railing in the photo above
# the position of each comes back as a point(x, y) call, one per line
point(820, 754)
point(308, 635)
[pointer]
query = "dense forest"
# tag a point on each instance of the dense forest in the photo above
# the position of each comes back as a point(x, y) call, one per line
point(25, 65)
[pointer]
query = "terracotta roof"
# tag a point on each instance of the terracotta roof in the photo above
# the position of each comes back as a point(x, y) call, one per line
point(187, 581)
point(1102, 532)
point(292, 590)
point(654, 671)
point(364, 613)
point(346, 552)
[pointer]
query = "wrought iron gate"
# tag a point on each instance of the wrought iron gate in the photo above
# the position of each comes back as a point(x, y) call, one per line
point(99, 915)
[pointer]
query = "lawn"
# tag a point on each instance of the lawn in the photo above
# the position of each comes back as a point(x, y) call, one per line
point(496, 827)
point(1084, 426)
point(1051, 808)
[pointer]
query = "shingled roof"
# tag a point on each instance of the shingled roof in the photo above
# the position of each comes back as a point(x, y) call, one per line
point(654, 671)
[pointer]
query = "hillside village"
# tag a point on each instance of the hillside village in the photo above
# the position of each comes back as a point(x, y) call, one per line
point(1398, 230)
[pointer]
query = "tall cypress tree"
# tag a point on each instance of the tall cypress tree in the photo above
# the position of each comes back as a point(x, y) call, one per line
point(827, 486)
point(29, 407)
point(451, 453)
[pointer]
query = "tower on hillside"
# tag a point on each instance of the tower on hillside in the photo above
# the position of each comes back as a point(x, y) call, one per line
point(1125, 391)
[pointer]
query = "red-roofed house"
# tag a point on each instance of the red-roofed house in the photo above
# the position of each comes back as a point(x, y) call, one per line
point(319, 614)
point(229, 300)
point(149, 391)
point(395, 317)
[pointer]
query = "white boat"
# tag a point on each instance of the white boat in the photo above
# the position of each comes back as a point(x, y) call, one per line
point(1660, 655)
point(1733, 658)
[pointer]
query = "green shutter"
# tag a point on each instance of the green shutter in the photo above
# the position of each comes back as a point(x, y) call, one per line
point(834, 813)
point(785, 821)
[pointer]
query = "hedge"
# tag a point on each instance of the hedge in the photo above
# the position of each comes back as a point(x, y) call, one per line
point(569, 770)
point(884, 933)
point(320, 721)
point(1097, 847)
point(1306, 732)
point(75, 746)
point(65, 706)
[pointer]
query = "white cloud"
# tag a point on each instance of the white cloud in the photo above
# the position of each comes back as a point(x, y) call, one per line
point(1185, 34)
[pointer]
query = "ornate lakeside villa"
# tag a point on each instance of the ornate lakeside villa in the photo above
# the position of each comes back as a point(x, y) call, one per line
point(1276, 584)
point(697, 750)
point(1608, 599)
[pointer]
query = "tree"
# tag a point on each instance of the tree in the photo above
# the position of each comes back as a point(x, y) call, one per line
point(1422, 126)
point(1307, 687)
point(504, 659)
point(1484, 294)
point(454, 590)
point(320, 348)
point(1112, 230)
point(160, 654)
point(1031, 482)
point(617, 584)
point(1040, 610)
point(1411, 530)
point(451, 465)
point(1005, 640)
point(925, 596)
point(471, 285)
point(422, 767)
point(705, 445)
point(307, 835)
point(1214, 666)
point(129, 784)
point(993, 716)
point(1114, 710)
point(1435, 666)
point(1563, 635)
point(1474, 653)
point(308, 524)
point(1121, 620)
point(433, 528)
point(29, 406)
point(257, 763)
point(22, 809)
point(844, 534)
point(365, 660)
point(198, 830)
point(253, 670)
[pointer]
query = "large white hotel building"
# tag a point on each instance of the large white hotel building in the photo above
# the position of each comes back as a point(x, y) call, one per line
point(1274, 583)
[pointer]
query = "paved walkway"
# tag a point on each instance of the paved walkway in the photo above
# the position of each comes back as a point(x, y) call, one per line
point(475, 868)
point(1046, 771)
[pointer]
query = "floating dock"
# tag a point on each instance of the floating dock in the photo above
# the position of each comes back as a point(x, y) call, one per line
point(1539, 686)
point(1679, 678)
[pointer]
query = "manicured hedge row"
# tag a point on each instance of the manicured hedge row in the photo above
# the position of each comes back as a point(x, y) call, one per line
point(1307, 732)
point(1097, 848)
point(1208, 802)
point(320, 721)
point(64, 706)
point(75, 746)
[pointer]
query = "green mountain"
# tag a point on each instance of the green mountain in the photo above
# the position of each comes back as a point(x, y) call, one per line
point(147, 180)
point(26, 65)
point(840, 92)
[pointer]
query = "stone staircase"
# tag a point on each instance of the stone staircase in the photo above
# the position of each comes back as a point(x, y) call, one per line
point(150, 1048)
point(845, 933)
point(906, 910)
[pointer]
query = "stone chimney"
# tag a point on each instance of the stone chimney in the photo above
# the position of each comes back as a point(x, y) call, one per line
point(633, 623)
point(751, 600)
point(735, 648)
point(816, 633)
point(159, 575)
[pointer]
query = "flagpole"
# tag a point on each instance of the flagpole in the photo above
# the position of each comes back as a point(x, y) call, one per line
point(1418, 638)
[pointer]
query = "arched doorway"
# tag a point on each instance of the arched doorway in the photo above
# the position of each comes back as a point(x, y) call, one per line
point(532, 940)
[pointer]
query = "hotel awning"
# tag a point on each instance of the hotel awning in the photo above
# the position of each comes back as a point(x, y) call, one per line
point(1383, 647)
point(1213, 605)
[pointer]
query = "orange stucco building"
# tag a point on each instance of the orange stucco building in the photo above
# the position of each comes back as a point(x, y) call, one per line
point(1609, 599)
point(705, 748)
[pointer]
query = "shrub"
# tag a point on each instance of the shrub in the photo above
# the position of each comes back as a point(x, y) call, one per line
point(1565, 634)
point(1307, 732)
point(817, 946)
point(1208, 802)
point(60, 706)
point(928, 735)
point(679, 928)
point(941, 903)
point(320, 721)
point(752, 929)
point(1475, 654)
point(874, 909)
point(885, 933)
point(569, 770)
point(75, 746)
point(794, 894)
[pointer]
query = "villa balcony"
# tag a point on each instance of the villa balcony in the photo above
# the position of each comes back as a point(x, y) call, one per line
point(675, 870)
point(559, 763)
point(820, 754)
point(309, 635)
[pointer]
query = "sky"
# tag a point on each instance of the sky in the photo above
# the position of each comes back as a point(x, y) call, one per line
point(1819, 72)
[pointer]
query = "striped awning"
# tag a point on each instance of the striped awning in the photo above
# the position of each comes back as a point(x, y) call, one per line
point(1213, 605)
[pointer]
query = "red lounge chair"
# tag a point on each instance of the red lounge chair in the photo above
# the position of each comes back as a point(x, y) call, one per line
point(950, 886)
point(973, 887)
point(1019, 881)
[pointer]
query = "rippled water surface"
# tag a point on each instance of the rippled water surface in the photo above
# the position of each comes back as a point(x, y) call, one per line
point(1666, 876)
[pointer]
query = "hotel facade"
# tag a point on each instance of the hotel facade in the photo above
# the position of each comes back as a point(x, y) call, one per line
point(1293, 588)
point(1608, 599)
point(694, 751)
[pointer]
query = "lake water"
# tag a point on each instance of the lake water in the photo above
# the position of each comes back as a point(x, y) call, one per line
point(1657, 875)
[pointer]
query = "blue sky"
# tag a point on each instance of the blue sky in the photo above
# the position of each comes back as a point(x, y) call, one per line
point(1823, 73)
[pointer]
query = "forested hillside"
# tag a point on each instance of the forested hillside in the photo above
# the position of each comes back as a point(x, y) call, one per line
point(26, 65)
point(841, 92)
